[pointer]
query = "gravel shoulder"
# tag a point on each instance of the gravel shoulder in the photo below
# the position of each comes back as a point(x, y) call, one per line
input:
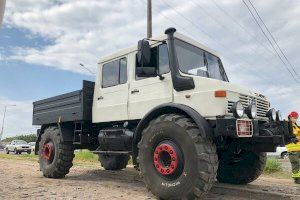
point(22, 179)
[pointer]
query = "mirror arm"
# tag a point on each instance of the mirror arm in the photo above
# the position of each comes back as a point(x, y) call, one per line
point(161, 77)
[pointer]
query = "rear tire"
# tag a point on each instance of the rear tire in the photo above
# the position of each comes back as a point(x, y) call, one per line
point(175, 161)
point(55, 156)
point(242, 168)
point(6, 151)
point(113, 162)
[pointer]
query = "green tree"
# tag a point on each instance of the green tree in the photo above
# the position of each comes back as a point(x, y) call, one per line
point(27, 138)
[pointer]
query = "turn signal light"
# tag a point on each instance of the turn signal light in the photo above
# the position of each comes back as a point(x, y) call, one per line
point(220, 93)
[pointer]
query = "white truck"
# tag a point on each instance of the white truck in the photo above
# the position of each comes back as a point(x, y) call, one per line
point(168, 103)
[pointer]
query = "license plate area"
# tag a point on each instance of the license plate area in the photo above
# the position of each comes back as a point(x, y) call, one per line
point(244, 128)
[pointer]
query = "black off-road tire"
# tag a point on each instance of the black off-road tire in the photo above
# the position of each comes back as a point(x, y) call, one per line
point(28, 152)
point(6, 151)
point(199, 164)
point(114, 162)
point(249, 167)
point(63, 156)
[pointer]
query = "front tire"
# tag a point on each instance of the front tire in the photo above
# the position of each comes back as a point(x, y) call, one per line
point(284, 155)
point(6, 151)
point(55, 156)
point(240, 168)
point(175, 161)
point(113, 162)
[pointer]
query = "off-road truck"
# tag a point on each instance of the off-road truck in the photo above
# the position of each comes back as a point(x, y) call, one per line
point(168, 103)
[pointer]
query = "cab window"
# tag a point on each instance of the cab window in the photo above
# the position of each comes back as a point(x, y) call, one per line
point(114, 73)
point(215, 68)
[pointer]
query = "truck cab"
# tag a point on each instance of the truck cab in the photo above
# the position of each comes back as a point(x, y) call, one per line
point(168, 103)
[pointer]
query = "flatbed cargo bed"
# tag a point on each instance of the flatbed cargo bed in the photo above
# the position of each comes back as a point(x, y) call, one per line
point(73, 106)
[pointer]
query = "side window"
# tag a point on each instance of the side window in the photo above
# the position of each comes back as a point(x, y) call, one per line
point(213, 67)
point(114, 73)
point(163, 59)
point(123, 71)
point(159, 59)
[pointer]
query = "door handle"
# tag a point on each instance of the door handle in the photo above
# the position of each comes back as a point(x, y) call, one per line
point(100, 98)
point(135, 91)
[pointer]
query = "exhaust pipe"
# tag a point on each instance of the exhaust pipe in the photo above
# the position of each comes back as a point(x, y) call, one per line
point(180, 83)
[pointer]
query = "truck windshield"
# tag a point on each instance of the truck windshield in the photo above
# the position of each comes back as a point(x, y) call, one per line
point(195, 61)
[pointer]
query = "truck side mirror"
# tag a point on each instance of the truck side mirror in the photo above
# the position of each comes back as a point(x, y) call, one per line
point(143, 58)
point(146, 71)
point(144, 53)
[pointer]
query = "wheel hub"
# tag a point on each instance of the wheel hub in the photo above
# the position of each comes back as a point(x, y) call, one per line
point(48, 151)
point(165, 159)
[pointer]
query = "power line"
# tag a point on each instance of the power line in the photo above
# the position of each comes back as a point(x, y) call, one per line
point(196, 36)
point(229, 30)
point(256, 21)
point(273, 38)
point(242, 27)
point(227, 48)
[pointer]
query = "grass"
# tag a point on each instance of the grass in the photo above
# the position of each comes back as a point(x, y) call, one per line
point(30, 157)
point(272, 166)
point(85, 156)
point(81, 156)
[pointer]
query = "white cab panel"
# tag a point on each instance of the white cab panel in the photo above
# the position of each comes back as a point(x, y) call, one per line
point(152, 92)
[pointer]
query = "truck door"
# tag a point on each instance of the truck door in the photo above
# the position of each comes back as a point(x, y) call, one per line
point(111, 92)
point(147, 93)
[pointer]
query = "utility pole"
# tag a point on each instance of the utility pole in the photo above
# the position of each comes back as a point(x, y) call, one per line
point(2, 8)
point(5, 107)
point(149, 18)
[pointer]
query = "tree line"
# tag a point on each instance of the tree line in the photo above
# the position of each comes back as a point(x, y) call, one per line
point(27, 138)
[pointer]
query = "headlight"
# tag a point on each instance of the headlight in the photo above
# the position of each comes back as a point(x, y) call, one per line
point(238, 109)
point(271, 114)
point(278, 116)
point(251, 111)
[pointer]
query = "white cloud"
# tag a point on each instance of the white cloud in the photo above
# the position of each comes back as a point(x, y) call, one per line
point(18, 118)
point(83, 31)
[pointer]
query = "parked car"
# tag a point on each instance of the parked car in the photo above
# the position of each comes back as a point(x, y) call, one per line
point(18, 146)
point(2, 146)
point(280, 152)
point(32, 145)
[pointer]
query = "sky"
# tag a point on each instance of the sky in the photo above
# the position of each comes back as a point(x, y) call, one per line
point(42, 43)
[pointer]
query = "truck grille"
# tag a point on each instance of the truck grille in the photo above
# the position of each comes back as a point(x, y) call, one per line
point(261, 104)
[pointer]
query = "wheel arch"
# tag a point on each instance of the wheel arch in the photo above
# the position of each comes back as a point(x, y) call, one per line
point(65, 128)
point(168, 108)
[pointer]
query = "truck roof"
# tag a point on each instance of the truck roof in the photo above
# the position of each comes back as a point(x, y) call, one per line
point(177, 35)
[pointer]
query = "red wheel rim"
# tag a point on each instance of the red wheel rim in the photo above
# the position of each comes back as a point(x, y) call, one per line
point(165, 159)
point(48, 152)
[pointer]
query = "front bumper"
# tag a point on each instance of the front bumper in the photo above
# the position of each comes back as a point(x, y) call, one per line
point(266, 136)
point(23, 149)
